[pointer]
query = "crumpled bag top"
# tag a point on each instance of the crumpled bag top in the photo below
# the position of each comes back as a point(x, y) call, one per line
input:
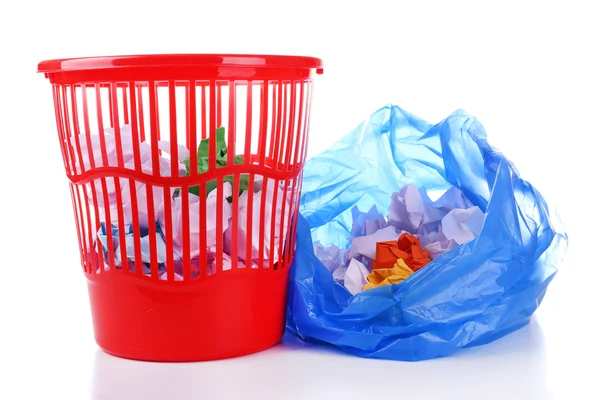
point(470, 295)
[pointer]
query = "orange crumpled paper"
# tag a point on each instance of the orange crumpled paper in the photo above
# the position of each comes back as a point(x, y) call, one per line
point(407, 248)
point(387, 276)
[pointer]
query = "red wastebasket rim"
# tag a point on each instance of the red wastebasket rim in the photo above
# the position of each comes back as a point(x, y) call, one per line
point(178, 60)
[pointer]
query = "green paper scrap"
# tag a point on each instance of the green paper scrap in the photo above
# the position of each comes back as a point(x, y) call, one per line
point(221, 161)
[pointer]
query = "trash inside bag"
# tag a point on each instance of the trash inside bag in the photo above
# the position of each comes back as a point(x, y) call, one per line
point(480, 257)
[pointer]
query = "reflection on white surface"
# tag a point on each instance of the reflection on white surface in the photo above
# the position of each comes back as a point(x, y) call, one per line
point(513, 367)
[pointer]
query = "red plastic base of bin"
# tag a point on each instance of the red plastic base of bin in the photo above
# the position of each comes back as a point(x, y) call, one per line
point(229, 314)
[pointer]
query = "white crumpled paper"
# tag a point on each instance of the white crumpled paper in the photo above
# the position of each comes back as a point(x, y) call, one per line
point(356, 276)
point(194, 220)
point(463, 226)
point(412, 210)
point(127, 147)
point(257, 222)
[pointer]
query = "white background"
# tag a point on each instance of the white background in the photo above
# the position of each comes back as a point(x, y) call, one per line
point(529, 71)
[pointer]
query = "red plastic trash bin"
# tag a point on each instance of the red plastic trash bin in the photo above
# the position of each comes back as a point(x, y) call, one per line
point(185, 174)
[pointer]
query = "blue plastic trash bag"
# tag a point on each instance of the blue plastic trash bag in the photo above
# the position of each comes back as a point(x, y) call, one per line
point(468, 296)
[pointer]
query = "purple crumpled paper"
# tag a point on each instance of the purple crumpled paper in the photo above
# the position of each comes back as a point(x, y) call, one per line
point(364, 224)
point(333, 259)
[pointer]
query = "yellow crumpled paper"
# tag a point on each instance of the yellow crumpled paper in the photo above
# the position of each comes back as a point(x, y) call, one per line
point(386, 276)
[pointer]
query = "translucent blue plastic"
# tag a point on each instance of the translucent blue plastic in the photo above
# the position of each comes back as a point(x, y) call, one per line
point(469, 296)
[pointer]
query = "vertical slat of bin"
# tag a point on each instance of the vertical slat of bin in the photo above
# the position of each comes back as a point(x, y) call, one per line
point(167, 190)
point(154, 135)
point(86, 124)
point(281, 95)
point(110, 107)
point(283, 127)
point(203, 111)
point(218, 105)
point(125, 104)
point(137, 163)
point(185, 228)
point(272, 85)
point(168, 234)
point(101, 126)
point(231, 152)
point(191, 140)
point(114, 103)
point(173, 131)
point(212, 169)
point(262, 134)
point(247, 161)
point(263, 126)
point(204, 267)
point(140, 104)
point(219, 225)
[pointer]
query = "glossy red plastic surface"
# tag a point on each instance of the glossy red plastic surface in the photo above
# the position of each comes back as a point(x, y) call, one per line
point(194, 308)
point(179, 67)
point(227, 315)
